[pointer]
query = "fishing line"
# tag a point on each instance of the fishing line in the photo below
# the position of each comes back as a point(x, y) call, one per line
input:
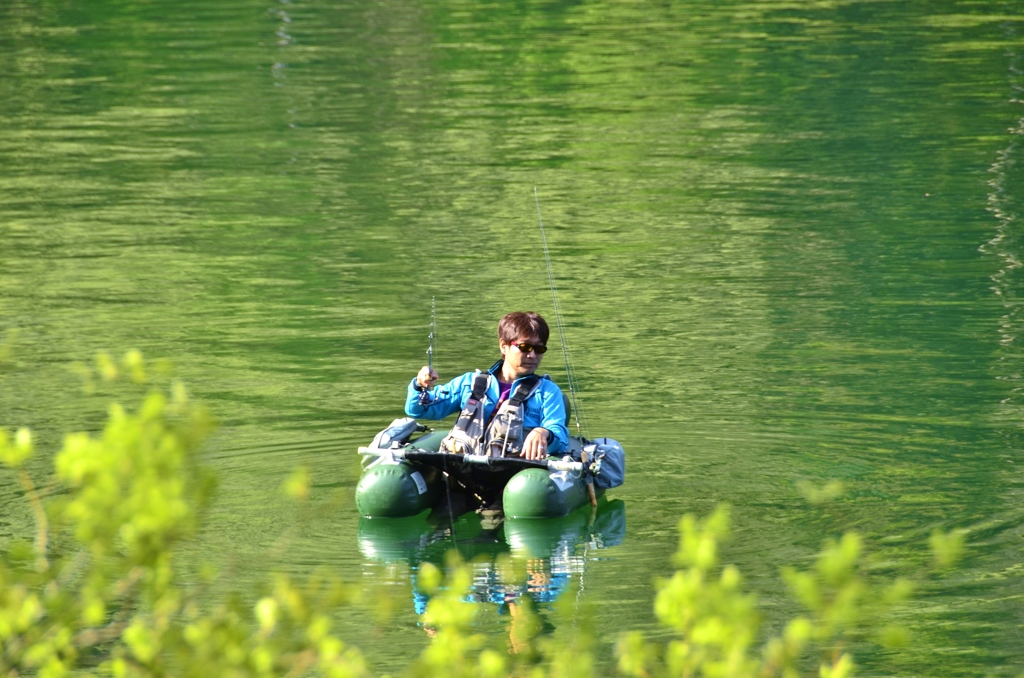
point(433, 327)
point(570, 368)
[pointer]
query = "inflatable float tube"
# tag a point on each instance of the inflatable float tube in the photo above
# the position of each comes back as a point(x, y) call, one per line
point(406, 480)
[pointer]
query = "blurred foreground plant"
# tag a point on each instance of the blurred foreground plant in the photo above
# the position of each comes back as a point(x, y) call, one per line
point(716, 623)
point(97, 588)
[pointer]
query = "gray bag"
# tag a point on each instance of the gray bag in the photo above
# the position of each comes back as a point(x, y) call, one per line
point(397, 434)
point(610, 462)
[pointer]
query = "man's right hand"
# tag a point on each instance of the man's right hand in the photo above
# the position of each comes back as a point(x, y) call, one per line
point(426, 377)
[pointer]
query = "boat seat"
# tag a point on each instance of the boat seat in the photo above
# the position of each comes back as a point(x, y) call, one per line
point(565, 401)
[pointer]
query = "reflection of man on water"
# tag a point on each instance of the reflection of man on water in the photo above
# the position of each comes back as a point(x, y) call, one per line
point(546, 579)
point(542, 586)
point(523, 601)
point(522, 339)
point(555, 554)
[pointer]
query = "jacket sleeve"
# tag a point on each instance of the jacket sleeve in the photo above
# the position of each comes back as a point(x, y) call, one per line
point(444, 400)
point(553, 419)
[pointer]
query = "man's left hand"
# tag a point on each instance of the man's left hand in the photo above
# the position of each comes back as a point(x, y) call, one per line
point(536, 444)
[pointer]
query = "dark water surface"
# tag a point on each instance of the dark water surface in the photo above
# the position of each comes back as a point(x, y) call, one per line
point(786, 235)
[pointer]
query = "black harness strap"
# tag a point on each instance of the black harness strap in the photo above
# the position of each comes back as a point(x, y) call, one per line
point(524, 390)
point(474, 408)
point(480, 381)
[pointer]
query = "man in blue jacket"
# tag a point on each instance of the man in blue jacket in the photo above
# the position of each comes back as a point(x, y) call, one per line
point(522, 339)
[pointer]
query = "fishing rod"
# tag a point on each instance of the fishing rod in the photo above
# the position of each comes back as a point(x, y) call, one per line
point(577, 407)
point(414, 454)
point(425, 397)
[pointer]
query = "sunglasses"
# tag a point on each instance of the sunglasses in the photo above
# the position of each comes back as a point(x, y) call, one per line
point(526, 348)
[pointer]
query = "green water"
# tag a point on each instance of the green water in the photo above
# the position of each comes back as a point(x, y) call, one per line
point(786, 238)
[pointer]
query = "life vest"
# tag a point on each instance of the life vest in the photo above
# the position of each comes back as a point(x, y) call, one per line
point(503, 435)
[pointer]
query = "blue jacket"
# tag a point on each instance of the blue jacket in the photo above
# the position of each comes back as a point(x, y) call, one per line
point(543, 408)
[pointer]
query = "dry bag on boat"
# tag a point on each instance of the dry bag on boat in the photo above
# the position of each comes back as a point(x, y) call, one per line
point(609, 462)
point(397, 434)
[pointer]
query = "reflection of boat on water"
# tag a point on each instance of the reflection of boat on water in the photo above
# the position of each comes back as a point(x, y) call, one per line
point(421, 538)
point(602, 528)
point(556, 549)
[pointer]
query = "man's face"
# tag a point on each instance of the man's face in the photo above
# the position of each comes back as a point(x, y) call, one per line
point(521, 364)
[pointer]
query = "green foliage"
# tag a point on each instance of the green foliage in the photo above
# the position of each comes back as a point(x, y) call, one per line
point(820, 495)
point(297, 484)
point(716, 623)
point(97, 589)
point(713, 620)
point(109, 598)
point(455, 650)
point(14, 452)
point(947, 547)
point(458, 650)
point(135, 488)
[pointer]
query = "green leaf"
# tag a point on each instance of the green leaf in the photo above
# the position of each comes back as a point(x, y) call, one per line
point(296, 485)
point(947, 547)
point(15, 453)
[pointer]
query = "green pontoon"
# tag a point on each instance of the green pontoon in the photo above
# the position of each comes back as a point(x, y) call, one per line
point(404, 477)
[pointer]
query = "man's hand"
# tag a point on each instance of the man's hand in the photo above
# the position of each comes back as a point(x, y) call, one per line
point(426, 377)
point(536, 444)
